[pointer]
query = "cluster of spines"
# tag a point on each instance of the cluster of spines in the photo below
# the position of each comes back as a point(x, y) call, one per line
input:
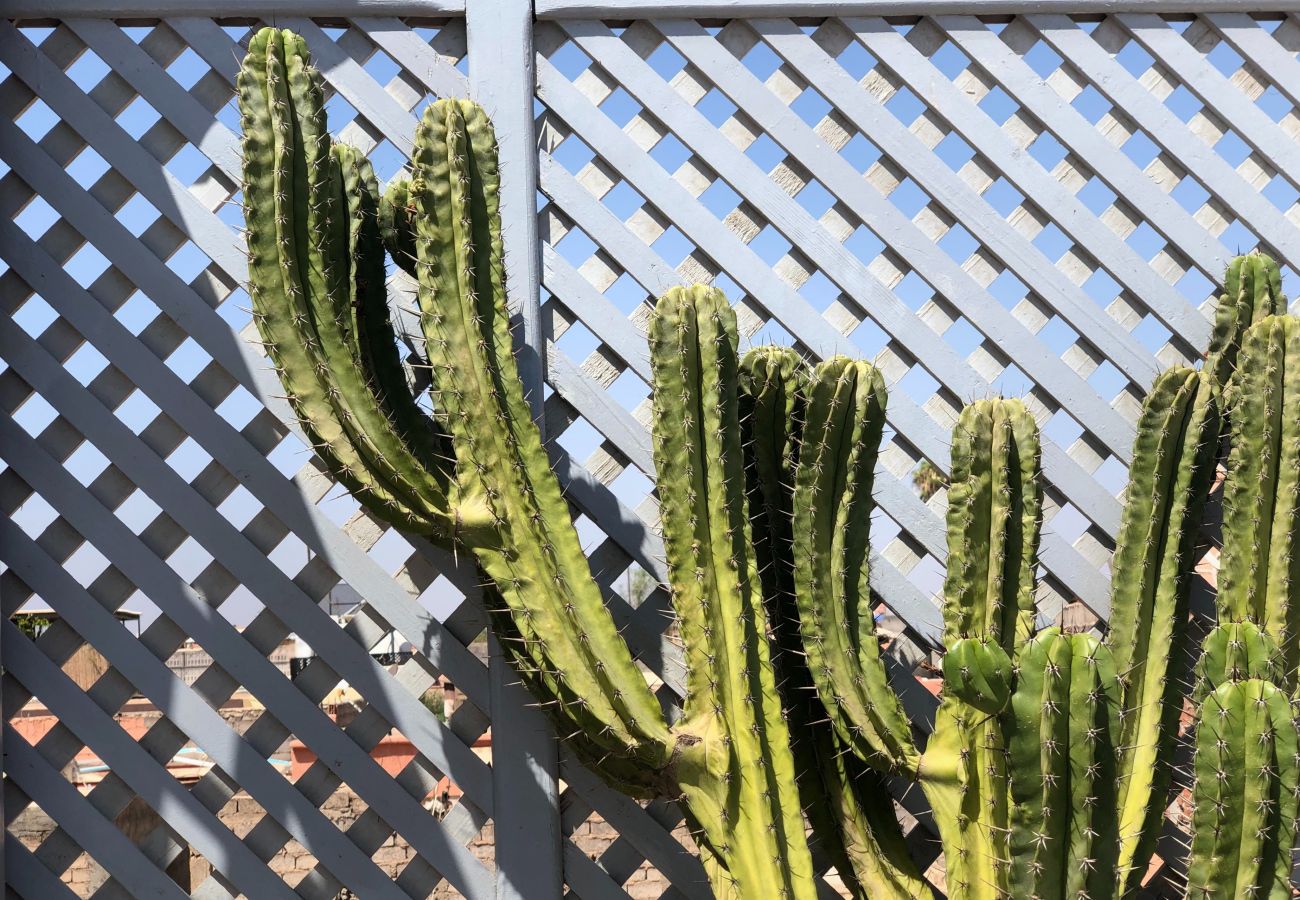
point(1259, 576)
point(1169, 480)
point(847, 803)
point(1062, 728)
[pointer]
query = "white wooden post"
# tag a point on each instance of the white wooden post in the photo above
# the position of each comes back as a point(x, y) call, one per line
point(527, 823)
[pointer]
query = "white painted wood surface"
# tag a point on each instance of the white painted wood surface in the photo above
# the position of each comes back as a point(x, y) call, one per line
point(622, 201)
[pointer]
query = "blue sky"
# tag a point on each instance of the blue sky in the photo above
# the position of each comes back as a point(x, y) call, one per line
point(580, 439)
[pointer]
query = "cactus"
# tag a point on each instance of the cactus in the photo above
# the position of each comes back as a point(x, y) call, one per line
point(1252, 290)
point(1169, 479)
point(1244, 798)
point(1258, 579)
point(395, 223)
point(739, 779)
point(845, 415)
point(318, 294)
point(308, 266)
point(1061, 734)
point(994, 517)
point(847, 803)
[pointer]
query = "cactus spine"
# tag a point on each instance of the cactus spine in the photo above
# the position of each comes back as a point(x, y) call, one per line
point(994, 515)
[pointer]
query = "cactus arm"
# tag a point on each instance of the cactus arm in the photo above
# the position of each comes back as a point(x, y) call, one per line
point(994, 512)
point(1061, 730)
point(1243, 819)
point(1252, 290)
point(280, 193)
point(832, 515)
point(371, 327)
point(524, 538)
point(1261, 552)
point(395, 224)
point(847, 803)
point(1169, 480)
point(734, 761)
point(322, 241)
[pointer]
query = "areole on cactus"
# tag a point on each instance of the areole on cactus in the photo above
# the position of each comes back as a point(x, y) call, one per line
point(1048, 765)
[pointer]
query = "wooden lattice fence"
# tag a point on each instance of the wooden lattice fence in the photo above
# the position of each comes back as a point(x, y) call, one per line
point(1039, 204)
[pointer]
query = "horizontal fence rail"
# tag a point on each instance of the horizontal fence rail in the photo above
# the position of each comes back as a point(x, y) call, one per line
point(1033, 199)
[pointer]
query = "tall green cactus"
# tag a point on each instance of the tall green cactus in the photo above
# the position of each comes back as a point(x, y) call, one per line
point(847, 803)
point(1169, 480)
point(316, 280)
point(994, 518)
point(739, 779)
point(845, 415)
point(1247, 779)
point(1259, 578)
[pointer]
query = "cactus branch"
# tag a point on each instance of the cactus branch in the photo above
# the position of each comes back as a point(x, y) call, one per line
point(1169, 480)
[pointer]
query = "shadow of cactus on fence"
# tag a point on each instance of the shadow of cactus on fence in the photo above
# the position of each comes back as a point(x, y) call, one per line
point(1050, 759)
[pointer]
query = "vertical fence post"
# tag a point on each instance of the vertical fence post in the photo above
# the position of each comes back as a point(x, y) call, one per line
point(524, 757)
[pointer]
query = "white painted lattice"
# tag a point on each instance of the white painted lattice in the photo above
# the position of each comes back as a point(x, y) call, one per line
point(1037, 204)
